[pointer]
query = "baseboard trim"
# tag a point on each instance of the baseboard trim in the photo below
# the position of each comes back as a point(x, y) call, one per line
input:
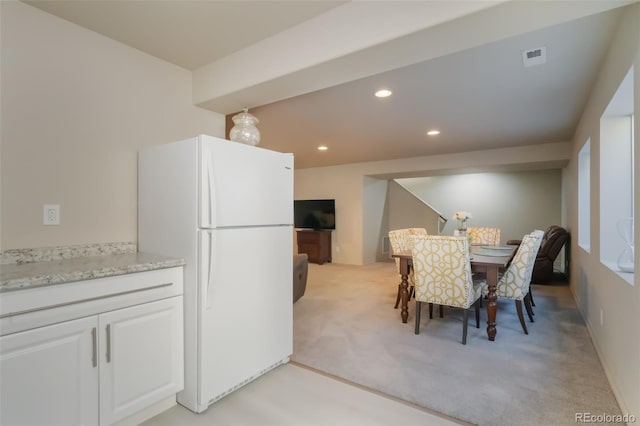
point(624, 408)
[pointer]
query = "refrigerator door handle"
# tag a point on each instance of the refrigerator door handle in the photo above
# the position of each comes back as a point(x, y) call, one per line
point(208, 189)
point(211, 189)
point(210, 270)
point(207, 267)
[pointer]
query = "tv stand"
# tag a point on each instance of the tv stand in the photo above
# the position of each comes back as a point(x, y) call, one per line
point(316, 244)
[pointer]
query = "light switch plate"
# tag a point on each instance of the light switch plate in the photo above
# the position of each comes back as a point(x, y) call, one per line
point(51, 214)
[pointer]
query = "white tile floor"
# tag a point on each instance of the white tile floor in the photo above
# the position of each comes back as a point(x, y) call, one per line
point(294, 395)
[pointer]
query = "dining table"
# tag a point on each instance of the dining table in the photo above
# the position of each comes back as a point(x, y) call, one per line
point(483, 258)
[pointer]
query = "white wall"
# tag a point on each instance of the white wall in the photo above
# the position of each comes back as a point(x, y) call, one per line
point(407, 210)
point(76, 108)
point(346, 188)
point(373, 213)
point(597, 288)
point(515, 202)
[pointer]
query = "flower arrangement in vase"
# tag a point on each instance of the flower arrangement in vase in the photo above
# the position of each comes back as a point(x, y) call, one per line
point(463, 218)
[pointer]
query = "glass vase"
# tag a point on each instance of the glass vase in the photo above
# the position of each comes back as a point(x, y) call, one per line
point(244, 129)
point(626, 258)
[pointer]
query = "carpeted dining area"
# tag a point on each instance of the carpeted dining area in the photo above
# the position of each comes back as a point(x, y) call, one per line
point(345, 325)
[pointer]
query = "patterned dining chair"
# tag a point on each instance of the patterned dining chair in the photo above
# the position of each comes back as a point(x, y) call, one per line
point(539, 234)
point(484, 235)
point(514, 283)
point(400, 240)
point(442, 273)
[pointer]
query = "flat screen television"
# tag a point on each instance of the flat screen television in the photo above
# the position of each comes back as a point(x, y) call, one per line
point(314, 214)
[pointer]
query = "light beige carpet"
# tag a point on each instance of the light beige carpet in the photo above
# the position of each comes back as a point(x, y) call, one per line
point(345, 325)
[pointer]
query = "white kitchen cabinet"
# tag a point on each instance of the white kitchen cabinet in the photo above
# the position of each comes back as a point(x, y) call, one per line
point(48, 376)
point(98, 369)
point(142, 359)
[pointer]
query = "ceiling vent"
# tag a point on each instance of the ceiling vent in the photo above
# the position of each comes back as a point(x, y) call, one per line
point(537, 56)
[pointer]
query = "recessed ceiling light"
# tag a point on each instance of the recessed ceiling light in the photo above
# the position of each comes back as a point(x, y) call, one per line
point(433, 132)
point(383, 93)
point(322, 148)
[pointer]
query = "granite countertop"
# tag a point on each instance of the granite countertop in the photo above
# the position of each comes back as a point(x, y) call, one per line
point(18, 276)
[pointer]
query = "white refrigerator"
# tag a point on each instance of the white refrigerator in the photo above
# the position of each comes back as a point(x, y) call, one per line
point(227, 209)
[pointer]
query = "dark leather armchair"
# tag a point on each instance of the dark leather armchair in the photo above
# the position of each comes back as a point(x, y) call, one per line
point(555, 237)
point(300, 271)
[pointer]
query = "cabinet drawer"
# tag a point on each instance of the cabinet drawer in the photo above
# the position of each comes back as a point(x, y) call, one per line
point(313, 251)
point(25, 309)
point(308, 237)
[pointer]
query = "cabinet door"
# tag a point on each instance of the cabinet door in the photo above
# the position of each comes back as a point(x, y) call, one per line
point(141, 361)
point(50, 375)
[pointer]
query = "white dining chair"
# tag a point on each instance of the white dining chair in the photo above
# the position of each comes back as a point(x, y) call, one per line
point(442, 273)
point(484, 235)
point(515, 282)
point(400, 240)
point(538, 234)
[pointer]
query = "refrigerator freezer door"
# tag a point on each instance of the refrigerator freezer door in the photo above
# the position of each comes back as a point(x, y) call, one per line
point(242, 185)
point(246, 309)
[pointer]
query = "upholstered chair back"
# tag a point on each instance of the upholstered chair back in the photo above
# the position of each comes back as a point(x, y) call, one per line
point(442, 271)
point(539, 235)
point(484, 235)
point(417, 231)
point(555, 237)
point(400, 240)
point(514, 284)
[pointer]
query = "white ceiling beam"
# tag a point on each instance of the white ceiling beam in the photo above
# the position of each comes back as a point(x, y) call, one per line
point(359, 39)
point(339, 32)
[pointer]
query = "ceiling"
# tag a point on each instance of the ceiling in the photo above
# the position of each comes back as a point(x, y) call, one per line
point(187, 33)
point(481, 97)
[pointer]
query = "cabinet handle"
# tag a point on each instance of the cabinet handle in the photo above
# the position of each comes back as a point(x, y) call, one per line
point(89, 299)
point(108, 342)
point(94, 356)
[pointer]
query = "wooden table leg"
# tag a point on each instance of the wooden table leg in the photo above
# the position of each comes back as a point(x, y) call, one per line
point(404, 289)
point(492, 306)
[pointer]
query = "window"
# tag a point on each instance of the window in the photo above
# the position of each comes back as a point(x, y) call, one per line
point(584, 196)
point(616, 176)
